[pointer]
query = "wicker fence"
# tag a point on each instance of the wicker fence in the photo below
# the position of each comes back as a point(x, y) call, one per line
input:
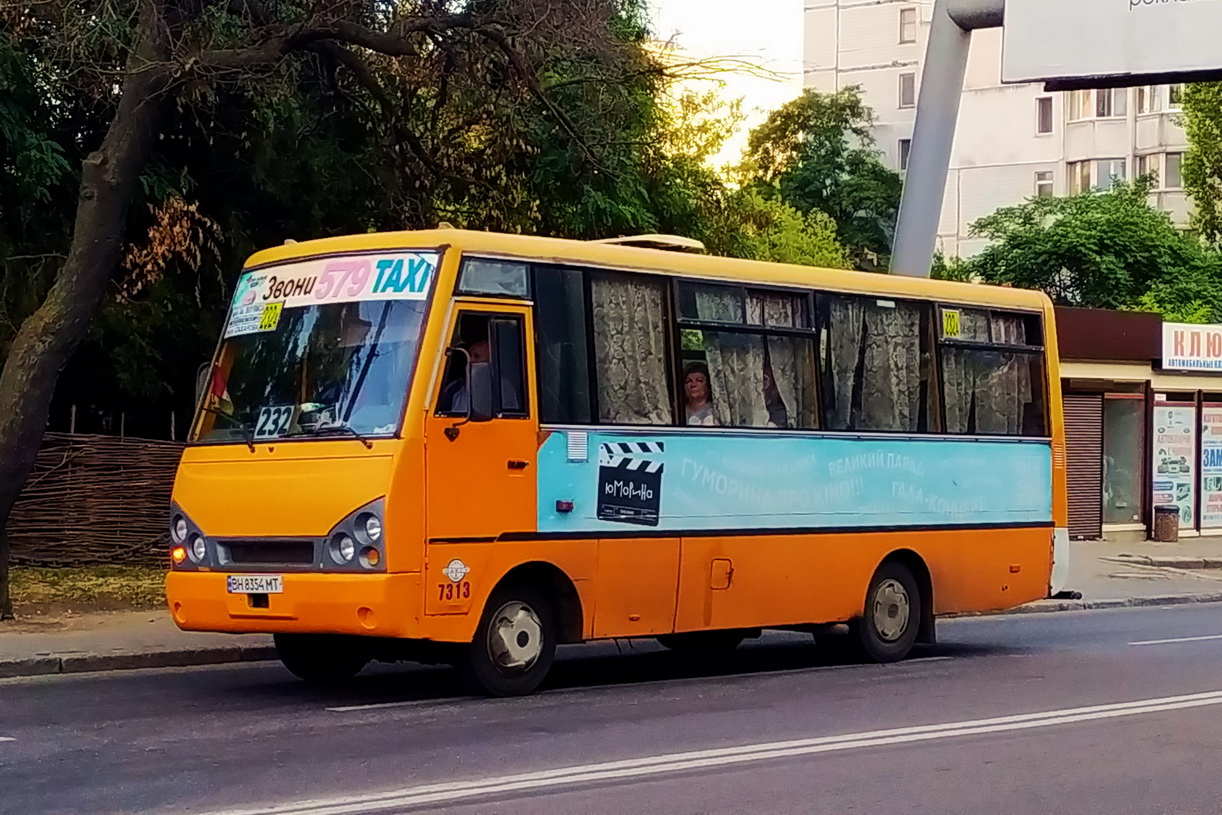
point(95, 499)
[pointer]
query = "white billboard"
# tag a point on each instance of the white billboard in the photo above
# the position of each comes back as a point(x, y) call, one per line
point(1075, 39)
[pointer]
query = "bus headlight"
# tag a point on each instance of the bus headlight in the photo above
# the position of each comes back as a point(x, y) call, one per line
point(358, 542)
point(179, 529)
point(342, 549)
point(199, 549)
point(372, 526)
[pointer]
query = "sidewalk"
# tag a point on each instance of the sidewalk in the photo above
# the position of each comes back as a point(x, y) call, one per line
point(1107, 574)
point(116, 641)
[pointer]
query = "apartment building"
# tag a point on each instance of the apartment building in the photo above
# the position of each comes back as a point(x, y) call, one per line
point(1013, 141)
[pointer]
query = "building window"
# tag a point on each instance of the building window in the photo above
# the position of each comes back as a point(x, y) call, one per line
point(908, 25)
point(1043, 184)
point(876, 364)
point(1043, 115)
point(905, 153)
point(1147, 99)
point(907, 90)
point(1110, 172)
point(1112, 103)
point(1174, 178)
point(1175, 97)
point(1078, 174)
point(1080, 105)
point(1101, 104)
point(1123, 454)
point(1144, 166)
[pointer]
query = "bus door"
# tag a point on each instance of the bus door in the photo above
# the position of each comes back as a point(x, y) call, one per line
point(481, 479)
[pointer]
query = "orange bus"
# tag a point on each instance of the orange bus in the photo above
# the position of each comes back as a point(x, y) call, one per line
point(463, 447)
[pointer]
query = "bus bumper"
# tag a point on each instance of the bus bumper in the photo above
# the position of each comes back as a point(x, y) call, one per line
point(385, 605)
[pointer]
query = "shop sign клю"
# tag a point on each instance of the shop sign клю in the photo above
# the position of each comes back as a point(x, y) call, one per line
point(1192, 347)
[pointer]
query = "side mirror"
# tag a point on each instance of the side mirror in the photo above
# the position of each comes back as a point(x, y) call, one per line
point(201, 380)
point(479, 385)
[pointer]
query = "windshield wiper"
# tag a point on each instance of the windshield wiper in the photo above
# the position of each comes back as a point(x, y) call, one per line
point(335, 429)
point(247, 434)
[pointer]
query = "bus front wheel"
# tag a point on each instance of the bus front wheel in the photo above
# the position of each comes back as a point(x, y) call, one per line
point(892, 615)
point(320, 658)
point(515, 644)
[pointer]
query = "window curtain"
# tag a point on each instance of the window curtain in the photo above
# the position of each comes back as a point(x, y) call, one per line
point(846, 320)
point(629, 319)
point(887, 341)
point(735, 361)
point(891, 390)
point(791, 358)
point(997, 383)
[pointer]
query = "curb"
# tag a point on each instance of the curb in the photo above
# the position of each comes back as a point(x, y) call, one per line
point(1049, 606)
point(228, 654)
point(127, 661)
point(1176, 562)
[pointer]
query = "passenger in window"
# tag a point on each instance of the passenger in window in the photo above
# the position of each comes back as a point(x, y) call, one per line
point(455, 395)
point(698, 394)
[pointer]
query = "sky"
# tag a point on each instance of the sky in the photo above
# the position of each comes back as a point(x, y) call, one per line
point(768, 32)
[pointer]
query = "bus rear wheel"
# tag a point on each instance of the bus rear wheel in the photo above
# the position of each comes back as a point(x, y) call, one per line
point(892, 615)
point(321, 658)
point(514, 645)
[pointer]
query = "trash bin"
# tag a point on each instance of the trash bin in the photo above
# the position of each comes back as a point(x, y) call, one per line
point(1167, 524)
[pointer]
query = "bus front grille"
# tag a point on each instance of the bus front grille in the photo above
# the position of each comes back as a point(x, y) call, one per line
point(270, 552)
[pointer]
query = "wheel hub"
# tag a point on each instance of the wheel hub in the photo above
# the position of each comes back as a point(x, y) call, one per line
point(515, 638)
point(891, 610)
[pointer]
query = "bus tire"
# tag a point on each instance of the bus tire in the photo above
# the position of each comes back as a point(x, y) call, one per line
point(702, 644)
point(514, 645)
point(320, 658)
point(892, 615)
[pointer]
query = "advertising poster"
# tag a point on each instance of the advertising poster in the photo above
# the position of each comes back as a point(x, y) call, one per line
point(1174, 459)
point(1211, 466)
point(681, 482)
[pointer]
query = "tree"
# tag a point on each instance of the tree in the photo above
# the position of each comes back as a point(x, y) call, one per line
point(694, 199)
point(465, 107)
point(1101, 250)
point(817, 153)
point(1202, 169)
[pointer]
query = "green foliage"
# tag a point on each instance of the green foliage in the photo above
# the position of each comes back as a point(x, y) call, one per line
point(1202, 169)
point(952, 268)
point(1102, 250)
point(817, 154)
point(759, 228)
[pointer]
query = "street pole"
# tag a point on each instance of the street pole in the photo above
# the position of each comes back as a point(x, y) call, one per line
point(933, 137)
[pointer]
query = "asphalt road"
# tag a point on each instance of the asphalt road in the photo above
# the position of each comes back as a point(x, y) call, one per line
point(1043, 713)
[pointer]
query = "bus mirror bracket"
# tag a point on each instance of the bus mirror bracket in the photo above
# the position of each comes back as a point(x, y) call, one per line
point(479, 393)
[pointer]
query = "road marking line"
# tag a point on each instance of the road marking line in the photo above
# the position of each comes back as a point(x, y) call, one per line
point(720, 757)
point(629, 684)
point(7, 738)
point(1178, 639)
point(381, 705)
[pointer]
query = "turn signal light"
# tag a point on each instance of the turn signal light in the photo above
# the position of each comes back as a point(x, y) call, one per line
point(179, 554)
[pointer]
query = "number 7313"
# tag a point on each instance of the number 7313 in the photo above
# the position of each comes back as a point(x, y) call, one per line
point(454, 591)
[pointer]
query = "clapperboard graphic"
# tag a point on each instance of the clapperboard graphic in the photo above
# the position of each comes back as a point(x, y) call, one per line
point(630, 482)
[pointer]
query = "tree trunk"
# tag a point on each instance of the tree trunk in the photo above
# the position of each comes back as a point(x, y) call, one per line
point(46, 340)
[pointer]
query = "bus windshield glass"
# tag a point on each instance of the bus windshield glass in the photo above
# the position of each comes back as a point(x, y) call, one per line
point(318, 348)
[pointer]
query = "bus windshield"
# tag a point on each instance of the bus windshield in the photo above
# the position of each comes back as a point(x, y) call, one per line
point(318, 348)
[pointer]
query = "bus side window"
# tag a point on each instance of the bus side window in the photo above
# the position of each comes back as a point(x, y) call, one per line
point(509, 365)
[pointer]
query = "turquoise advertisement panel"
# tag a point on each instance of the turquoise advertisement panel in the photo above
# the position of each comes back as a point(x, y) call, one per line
point(593, 480)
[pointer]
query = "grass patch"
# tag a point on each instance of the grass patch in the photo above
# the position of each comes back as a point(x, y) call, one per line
point(89, 587)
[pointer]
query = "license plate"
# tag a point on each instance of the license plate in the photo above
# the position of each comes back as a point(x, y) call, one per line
point(256, 584)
